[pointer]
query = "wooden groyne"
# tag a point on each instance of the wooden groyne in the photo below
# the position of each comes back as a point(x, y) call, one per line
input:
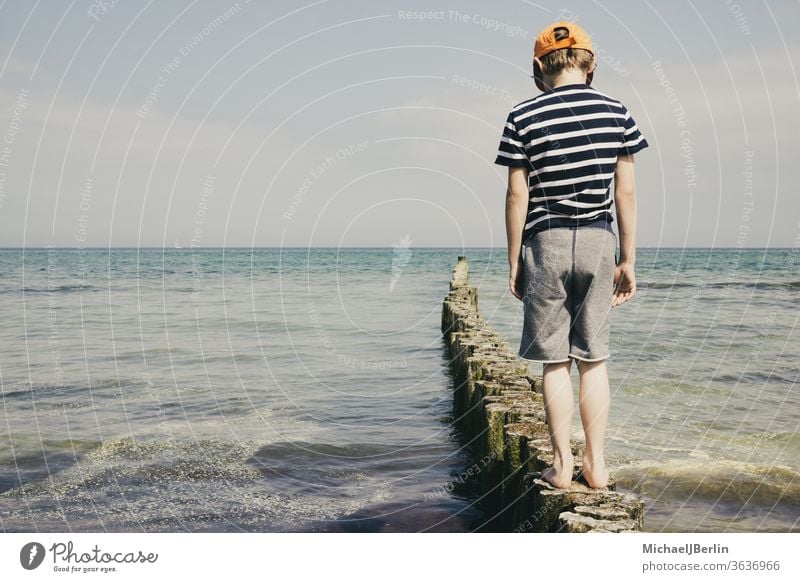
point(499, 408)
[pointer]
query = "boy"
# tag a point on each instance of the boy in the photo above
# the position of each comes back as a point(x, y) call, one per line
point(562, 149)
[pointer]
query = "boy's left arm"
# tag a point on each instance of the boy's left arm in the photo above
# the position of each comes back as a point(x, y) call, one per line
point(516, 213)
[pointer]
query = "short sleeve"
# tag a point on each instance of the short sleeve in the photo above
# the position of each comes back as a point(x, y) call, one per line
point(632, 139)
point(511, 151)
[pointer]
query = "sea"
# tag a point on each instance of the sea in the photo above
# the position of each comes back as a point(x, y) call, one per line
point(308, 390)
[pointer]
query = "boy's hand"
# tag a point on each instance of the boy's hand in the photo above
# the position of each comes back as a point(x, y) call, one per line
point(624, 284)
point(516, 280)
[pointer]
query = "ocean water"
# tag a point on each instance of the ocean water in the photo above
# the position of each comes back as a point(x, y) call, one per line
point(307, 389)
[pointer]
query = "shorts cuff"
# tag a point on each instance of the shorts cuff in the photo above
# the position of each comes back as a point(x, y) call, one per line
point(590, 359)
point(542, 361)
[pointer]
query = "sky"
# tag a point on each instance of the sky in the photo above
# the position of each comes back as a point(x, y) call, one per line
point(375, 123)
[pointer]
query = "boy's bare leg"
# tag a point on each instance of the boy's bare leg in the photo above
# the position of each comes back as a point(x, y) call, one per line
point(559, 404)
point(594, 401)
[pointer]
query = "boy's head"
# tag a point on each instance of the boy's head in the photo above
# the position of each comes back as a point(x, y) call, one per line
point(562, 46)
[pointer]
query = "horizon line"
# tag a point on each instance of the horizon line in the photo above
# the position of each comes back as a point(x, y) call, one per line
point(289, 247)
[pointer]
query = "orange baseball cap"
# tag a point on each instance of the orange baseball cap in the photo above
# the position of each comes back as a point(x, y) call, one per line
point(570, 36)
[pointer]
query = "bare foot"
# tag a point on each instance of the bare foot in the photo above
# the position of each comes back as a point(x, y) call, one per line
point(595, 473)
point(560, 474)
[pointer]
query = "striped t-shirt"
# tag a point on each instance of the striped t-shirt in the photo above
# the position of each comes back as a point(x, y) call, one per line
point(569, 138)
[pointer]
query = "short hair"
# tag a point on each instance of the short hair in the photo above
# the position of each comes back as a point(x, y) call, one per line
point(556, 61)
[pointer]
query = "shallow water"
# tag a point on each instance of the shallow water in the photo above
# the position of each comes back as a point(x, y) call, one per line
point(307, 390)
point(704, 419)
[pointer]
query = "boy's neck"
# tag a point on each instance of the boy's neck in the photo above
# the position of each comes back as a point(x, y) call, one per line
point(569, 77)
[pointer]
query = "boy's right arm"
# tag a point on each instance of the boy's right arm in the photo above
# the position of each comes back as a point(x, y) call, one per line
point(625, 201)
point(516, 214)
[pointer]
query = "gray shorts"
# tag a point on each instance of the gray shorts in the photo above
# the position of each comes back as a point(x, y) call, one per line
point(569, 282)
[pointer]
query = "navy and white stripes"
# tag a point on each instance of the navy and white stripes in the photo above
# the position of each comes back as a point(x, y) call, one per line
point(569, 138)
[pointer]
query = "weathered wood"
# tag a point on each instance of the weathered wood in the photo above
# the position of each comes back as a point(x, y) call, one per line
point(498, 406)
